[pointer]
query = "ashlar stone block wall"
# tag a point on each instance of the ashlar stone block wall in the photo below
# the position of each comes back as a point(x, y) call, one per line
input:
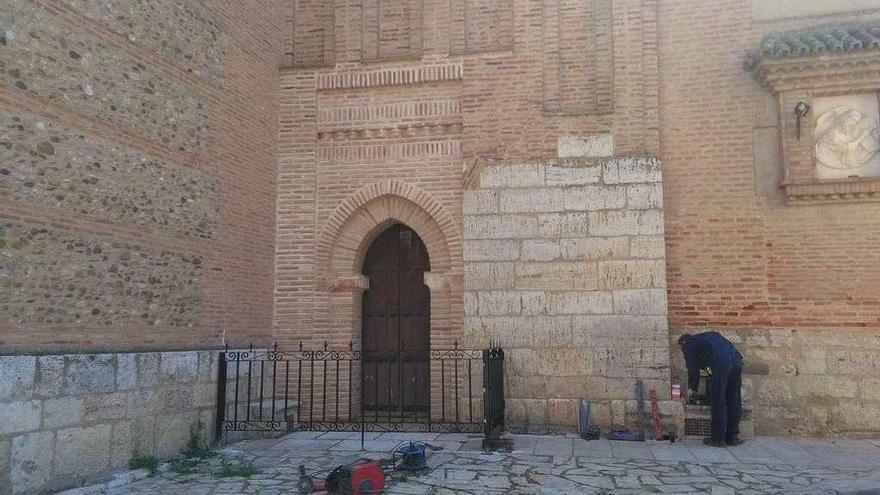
point(807, 382)
point(68, 419)
point(564, 265)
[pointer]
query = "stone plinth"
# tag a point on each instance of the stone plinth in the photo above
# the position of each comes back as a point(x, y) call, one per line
point(66, 420)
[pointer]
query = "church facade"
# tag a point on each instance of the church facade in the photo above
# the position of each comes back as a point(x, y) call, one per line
point(578, 181)
point(590, 180)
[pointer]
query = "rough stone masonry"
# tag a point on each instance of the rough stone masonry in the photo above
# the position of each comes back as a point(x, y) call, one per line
point(564, 264)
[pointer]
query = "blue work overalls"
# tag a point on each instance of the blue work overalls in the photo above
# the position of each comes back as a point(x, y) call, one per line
point(712, 350)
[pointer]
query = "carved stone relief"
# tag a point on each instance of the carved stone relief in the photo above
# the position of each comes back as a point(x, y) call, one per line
point(847, 136)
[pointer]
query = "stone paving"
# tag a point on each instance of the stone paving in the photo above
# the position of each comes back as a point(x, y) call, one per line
point(547, 465)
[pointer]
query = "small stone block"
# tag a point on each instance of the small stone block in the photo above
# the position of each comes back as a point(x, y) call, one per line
point(595, 146)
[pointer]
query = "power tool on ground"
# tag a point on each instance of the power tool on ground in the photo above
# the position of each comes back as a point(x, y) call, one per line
point(362, 477)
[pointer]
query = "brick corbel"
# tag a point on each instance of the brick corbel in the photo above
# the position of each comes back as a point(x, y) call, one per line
point(439, 281)
point(348, 284)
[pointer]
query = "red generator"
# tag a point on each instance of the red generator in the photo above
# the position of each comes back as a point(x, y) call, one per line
point(362, 477)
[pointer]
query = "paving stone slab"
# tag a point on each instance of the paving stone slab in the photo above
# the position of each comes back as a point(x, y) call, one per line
point(652, 467)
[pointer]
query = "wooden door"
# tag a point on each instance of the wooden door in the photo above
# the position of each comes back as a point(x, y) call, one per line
point(396, 316)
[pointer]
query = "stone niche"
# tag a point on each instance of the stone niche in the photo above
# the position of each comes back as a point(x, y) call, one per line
point(826, 80)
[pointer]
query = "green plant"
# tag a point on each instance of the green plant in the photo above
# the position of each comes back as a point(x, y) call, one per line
point(195, 448)
point(148, 462)
point(237, 468)
point(195, 452)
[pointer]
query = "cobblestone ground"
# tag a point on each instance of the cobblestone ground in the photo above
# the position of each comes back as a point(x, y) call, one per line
point(546, 465)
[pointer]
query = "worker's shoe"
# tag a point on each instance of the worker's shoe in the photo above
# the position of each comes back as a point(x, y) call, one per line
point(734, 441)
point(714, 443)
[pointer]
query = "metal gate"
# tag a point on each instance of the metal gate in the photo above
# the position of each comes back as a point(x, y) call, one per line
point(324, 390)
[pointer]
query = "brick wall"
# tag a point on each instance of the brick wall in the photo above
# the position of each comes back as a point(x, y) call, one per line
point(505, 81)
point(442, 89)
point(138, 181)
point(138, 185)
point(796, 286)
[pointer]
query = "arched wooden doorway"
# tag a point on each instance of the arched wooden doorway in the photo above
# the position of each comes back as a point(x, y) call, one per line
point(396, 321)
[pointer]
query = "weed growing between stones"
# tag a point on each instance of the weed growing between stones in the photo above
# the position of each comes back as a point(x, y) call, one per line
point(237, 468)
point(196, 452)
point(148, 462)
point(195, 448)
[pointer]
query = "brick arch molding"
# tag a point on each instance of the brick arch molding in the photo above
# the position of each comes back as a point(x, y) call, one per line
point(358, 220)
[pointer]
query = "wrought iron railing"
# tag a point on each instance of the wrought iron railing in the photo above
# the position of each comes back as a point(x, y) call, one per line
point(432, 390)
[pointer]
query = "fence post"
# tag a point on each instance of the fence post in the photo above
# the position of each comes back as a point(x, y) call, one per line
point(221, 396)
point(493, 399)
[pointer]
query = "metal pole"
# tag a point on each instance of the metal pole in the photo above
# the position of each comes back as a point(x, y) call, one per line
point(221, 396)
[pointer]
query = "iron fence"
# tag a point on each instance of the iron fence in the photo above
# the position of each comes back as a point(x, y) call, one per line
point(401, 390)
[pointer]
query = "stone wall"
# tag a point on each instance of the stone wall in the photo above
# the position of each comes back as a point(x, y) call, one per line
point(565, 267)
point(808, 382)
point(68, 419)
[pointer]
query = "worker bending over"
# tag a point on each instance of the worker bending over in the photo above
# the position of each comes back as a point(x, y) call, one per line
point(712, 350)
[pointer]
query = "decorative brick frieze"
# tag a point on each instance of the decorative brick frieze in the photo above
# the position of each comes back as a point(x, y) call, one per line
point(392, 113)
point(395, 76)
point(413, 131)
point(392, 151)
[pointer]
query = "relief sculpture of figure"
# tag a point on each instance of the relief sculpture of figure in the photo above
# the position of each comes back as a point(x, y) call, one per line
point(846, 139)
